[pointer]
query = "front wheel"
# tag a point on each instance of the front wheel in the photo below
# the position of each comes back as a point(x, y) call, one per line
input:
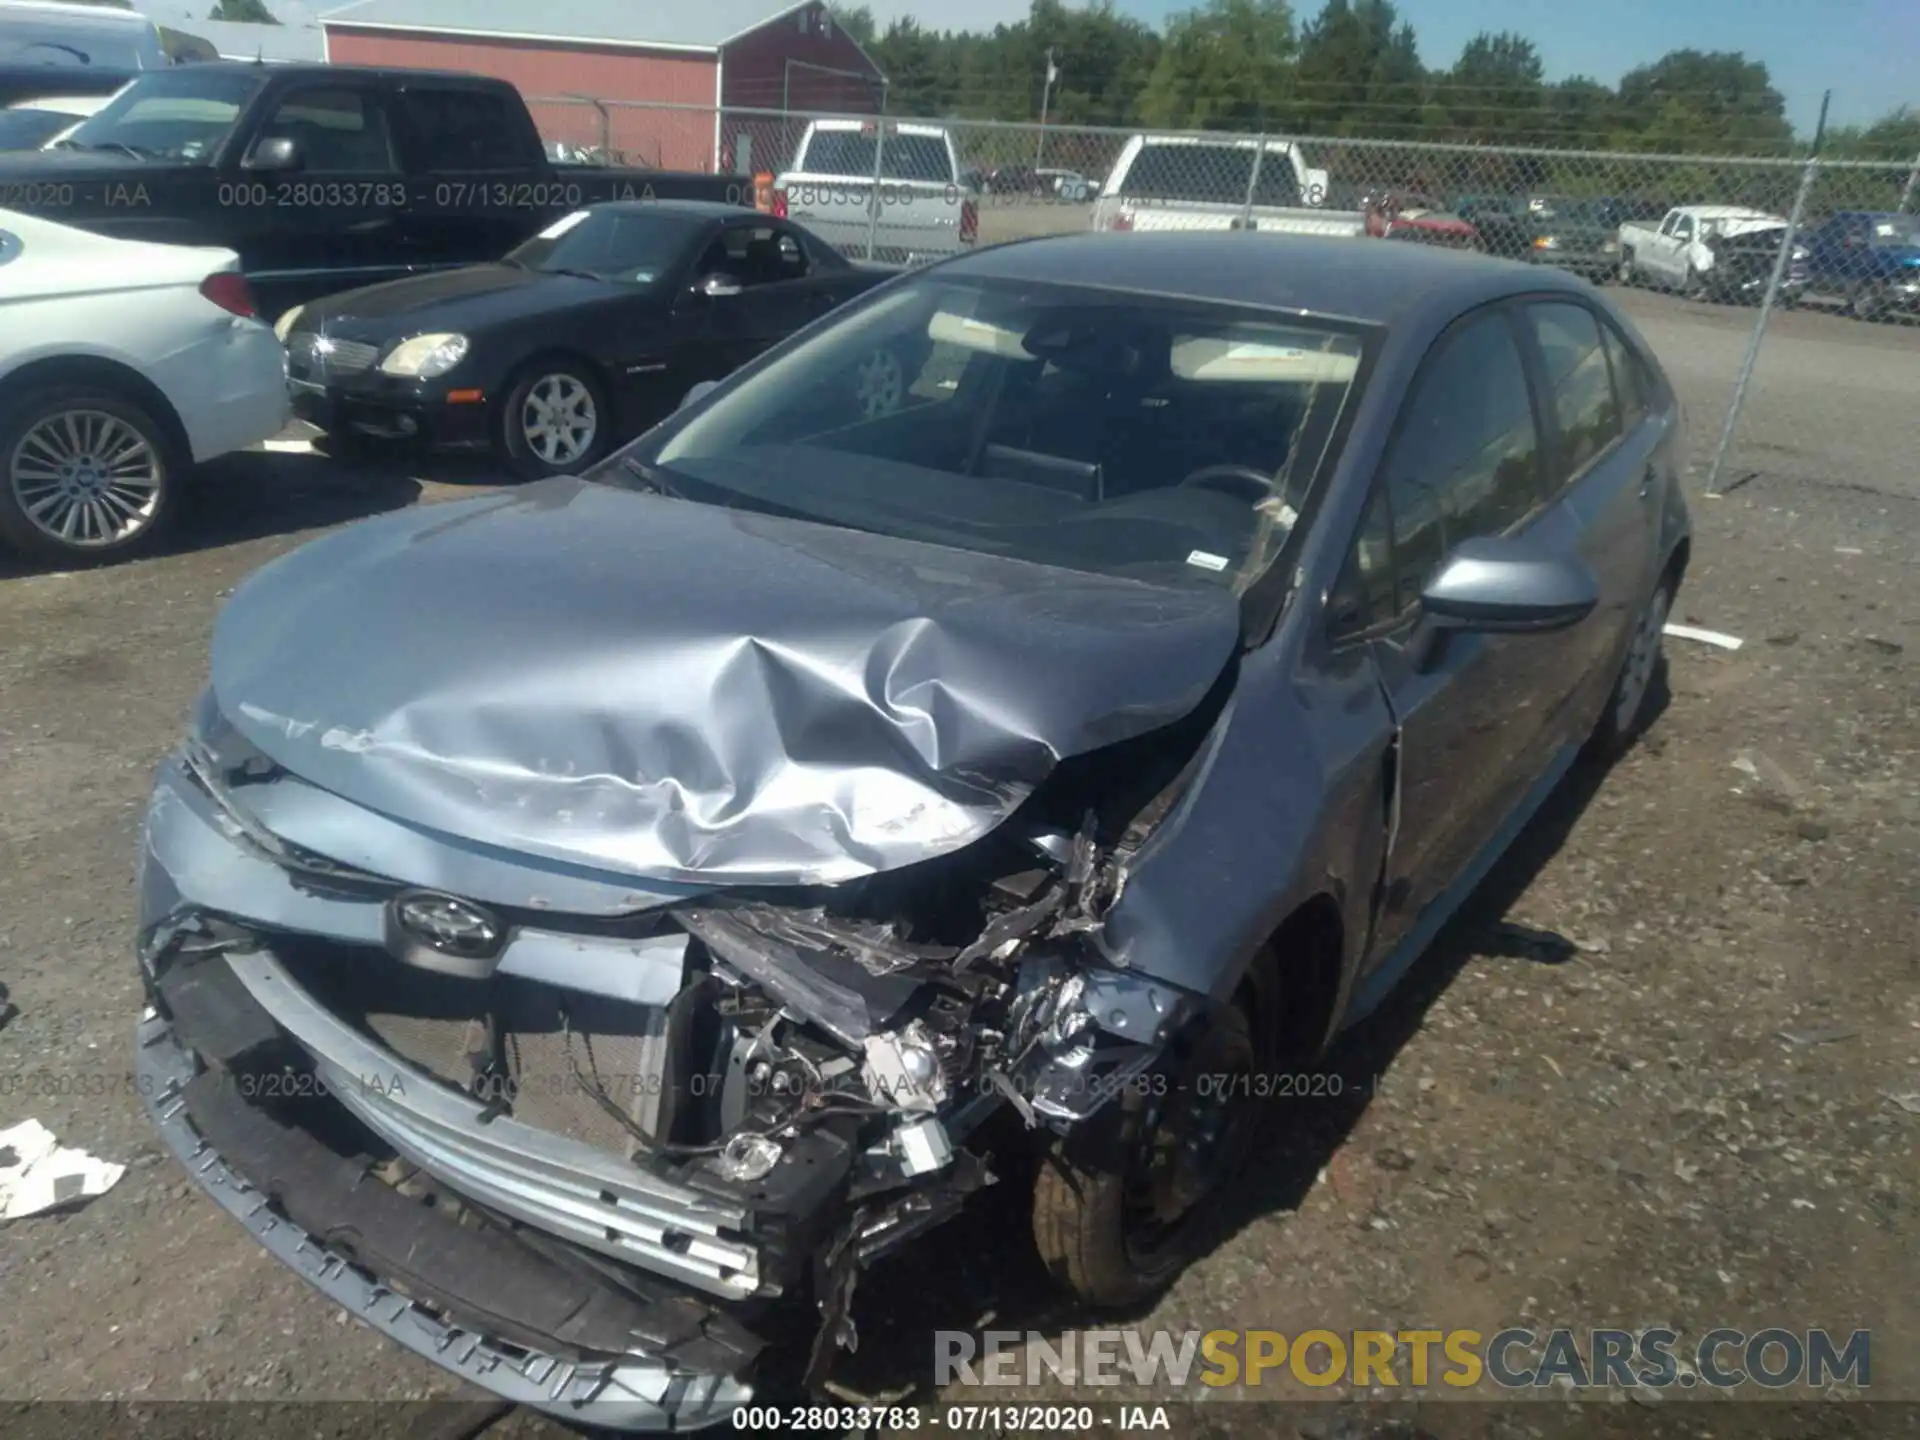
point(556, 420)
point(1119, 1228)
point(1626, 268)
point(88, 475)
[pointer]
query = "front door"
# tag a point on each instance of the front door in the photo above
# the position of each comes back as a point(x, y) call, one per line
point(1465, 461)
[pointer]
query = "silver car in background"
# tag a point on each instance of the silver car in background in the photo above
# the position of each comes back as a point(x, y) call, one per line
point(588, 928)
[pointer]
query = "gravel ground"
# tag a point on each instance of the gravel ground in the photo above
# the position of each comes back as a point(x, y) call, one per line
point(1667, 1072)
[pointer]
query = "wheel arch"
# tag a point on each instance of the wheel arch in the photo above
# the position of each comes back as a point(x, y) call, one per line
point(71, 371)
point(1295, 978)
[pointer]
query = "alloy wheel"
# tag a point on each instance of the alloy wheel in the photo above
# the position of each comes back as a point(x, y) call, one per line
point(558, 419)
point(86, 479)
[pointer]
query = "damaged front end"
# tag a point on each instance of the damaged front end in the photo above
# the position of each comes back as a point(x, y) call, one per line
point(603, 1145)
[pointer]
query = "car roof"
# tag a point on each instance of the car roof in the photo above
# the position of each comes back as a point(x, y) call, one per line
point(315, 69)
point(1725, 212)
point(1348, 277)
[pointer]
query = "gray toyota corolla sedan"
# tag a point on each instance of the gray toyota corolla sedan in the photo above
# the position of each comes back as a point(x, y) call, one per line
point(587, 927)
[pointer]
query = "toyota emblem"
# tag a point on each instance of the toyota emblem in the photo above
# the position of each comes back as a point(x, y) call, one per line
point(445, 933)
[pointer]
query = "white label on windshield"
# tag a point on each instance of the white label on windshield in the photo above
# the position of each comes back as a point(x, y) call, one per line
point(1206, 560)
point(563, 225)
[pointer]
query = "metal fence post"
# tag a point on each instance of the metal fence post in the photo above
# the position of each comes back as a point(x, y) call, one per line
point(1913, 180)
point(1253, 182)
point(1767, 301)
point(873, 201)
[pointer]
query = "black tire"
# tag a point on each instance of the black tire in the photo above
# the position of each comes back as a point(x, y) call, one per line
point(1694, 288)
point(1086, 1203)
point(1626, 712)
point(560, 380)
point(112, 421)
point(351, 447)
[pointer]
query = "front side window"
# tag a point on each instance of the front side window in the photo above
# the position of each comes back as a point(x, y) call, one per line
point(1084, 430)
point(1465, 459)
point(181, 114)
point(641, 245)
point(1579, 383)
point(334, 130)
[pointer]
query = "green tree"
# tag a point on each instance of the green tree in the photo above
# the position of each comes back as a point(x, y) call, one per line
point(1496, 92)
point(857, 21)
point(1223, 67)
point(1359, 73)
point(1701, 102)
point(246, 12)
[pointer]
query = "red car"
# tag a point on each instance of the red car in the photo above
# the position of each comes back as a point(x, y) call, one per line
point(1403, 215)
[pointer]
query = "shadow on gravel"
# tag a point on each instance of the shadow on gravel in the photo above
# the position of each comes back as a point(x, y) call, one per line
point(981, 1272)
point(257, 494)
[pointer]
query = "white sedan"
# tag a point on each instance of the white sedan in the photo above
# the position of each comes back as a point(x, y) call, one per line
point(122, 364)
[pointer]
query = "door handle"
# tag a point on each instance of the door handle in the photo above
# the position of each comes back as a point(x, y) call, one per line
point(1649, 478)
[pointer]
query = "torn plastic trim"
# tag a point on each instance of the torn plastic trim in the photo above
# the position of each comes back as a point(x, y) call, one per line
point(634, 1394)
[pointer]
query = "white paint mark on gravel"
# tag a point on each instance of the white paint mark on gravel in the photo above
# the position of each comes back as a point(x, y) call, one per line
point(1705, 637)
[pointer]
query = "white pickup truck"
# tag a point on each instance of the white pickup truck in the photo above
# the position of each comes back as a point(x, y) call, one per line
point(1710, 252)
point(920, 211)
point(1192, 182)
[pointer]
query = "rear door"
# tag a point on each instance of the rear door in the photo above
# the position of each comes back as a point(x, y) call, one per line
point(478, 183)
point(1606, 474)
point(1464, 461)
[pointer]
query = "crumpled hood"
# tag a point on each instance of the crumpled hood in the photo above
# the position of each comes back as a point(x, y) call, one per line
point(684, 692)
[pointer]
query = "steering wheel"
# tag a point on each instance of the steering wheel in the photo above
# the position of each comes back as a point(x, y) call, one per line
point(1240, 480)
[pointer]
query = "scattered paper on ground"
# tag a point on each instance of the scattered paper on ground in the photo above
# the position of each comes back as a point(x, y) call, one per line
point(1705, 637)
point(38, 1173)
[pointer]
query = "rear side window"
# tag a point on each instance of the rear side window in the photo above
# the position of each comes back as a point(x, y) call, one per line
point(1631, 383)
point(461, 130)
point(1465, 460)
point(1209, 175)
point(1579, 383)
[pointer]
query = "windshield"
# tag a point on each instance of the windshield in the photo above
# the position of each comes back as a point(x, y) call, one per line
point(1086, 430)
point(27, 42)
point(1210, 175)
point(1901, 230)
point(903, 157)
point(639, 246)
point(170, 114)
point(26, 129)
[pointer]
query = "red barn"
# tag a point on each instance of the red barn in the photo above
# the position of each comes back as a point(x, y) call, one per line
point(688, 64)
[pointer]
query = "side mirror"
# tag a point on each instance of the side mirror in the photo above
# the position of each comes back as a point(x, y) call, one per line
point(275, 153)
point(698, 392)
point(716, 286)
point(1509, 586)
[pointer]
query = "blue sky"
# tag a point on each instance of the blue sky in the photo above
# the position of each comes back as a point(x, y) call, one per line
point(1866, 51)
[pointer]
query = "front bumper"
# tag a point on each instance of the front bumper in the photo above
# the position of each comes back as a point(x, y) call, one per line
point(542, 1334)
point(404, 413)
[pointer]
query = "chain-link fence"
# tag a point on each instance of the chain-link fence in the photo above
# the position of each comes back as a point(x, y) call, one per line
point(1714, 247)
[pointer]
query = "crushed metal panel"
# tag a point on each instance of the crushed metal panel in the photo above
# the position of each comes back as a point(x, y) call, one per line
point(585, 677)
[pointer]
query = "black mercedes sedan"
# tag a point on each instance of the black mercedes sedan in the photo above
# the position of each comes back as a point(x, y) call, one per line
point(592, 330)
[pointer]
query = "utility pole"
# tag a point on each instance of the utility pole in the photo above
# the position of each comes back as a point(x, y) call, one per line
point(1046, 94)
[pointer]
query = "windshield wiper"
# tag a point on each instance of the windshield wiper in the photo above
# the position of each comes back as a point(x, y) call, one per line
point(652, 477)
point(577, 274)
